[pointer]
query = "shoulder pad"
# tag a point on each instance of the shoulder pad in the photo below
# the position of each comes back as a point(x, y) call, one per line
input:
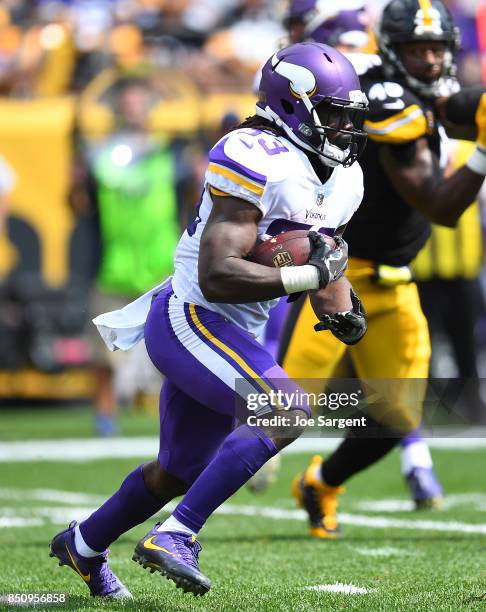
point(396, 115)
point(250, 158)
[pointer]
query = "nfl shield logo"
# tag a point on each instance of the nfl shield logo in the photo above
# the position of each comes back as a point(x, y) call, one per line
point(320, 199)
point(282, 259)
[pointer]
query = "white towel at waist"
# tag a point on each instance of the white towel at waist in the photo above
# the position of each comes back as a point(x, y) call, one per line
point(123, 328)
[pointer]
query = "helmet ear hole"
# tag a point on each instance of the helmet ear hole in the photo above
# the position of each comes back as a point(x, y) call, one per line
point(287, 106)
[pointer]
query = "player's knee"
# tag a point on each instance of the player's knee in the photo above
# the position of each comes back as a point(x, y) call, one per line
point(160, 483)
point(288, 428)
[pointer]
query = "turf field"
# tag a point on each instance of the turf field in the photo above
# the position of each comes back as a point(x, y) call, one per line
point(255, 550)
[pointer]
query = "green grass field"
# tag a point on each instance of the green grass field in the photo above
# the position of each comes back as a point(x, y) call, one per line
point(256, 551)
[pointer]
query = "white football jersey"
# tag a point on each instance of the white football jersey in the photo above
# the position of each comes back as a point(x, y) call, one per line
point(276, 177)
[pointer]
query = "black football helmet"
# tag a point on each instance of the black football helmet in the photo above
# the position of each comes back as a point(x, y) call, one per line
point(418, 20)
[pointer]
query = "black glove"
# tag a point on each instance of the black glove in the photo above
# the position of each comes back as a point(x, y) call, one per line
point(350, 326)
point(330, 263)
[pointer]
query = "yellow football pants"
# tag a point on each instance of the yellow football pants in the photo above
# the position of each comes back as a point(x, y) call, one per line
point(395, 348)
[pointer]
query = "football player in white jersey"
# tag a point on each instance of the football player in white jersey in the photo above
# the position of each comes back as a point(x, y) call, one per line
point(292, 165)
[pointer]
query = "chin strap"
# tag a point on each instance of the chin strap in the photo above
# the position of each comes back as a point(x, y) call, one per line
point(334, 156)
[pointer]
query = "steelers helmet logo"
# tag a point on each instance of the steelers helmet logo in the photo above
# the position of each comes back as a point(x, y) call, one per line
point(427, 19)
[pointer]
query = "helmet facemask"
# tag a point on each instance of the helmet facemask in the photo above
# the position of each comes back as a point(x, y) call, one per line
point(325, 132)
point(337, 134)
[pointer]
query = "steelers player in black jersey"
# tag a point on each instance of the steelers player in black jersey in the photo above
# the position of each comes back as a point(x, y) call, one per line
point(405, 189)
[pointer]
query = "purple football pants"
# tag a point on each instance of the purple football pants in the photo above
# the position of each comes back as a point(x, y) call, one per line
point(201, 354)
point(211, 366)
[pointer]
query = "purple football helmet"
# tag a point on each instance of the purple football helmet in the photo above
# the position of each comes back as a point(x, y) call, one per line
point(312, 92)
point(332, 22)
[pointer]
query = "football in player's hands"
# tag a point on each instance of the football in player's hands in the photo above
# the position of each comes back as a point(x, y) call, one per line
point(286, 249)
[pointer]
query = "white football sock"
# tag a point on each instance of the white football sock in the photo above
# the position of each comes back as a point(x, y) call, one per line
point(172, 524)
point(315, 472)
point(415, 455)
point(82, 548)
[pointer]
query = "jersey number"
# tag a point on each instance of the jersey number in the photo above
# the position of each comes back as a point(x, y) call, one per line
point(275, 150)
point(392, 92)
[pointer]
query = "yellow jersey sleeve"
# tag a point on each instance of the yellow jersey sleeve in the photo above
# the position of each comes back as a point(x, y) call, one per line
point(400, 128)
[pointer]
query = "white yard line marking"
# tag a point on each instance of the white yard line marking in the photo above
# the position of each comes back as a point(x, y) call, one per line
point(51, 495)
point(76, 449)
point(64, 514)
point(382, 522)
point(475, 500)
point(384, 551)
point(90, 449)
point(340, 587)
point(385, 505)
point(375, 522)
point(7, 521)
point(473, 439)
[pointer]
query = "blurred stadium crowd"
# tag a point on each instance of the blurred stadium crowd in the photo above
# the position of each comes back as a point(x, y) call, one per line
point(107, 109)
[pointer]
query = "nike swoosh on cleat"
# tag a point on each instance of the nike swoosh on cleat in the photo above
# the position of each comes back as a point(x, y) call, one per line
point(86, 578)
point(151, 546)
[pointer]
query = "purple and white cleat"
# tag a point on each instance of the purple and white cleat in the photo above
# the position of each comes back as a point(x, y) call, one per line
point(425, 488)
point(95, 571)
point(175, 555)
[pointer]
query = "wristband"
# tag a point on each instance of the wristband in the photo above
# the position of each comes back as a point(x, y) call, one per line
point(477, 161)
point(299, 278)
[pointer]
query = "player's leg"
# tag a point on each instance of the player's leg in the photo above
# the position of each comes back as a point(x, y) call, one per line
point(84, 547)
point(312, 358)
point(317, 489)
point(418, 471)
point(217, 354)
point(463, 310)
point(182, 456)
point(393, 313)
point(190, 435)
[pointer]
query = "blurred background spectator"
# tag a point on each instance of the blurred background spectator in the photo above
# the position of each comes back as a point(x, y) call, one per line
point(97, 98)
point(127, 183)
